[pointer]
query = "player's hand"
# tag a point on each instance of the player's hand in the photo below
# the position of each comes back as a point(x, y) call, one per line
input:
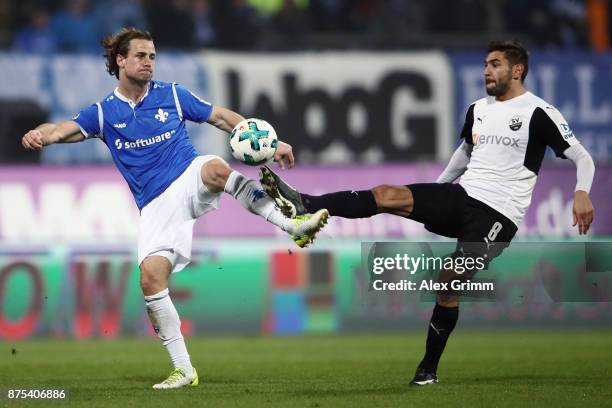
point(284, 151)
point(583, 211)
point(33, 140)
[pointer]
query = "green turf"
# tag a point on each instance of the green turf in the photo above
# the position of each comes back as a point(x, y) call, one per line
point(522, 368)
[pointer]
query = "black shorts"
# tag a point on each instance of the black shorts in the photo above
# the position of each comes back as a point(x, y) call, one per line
point(446, 209)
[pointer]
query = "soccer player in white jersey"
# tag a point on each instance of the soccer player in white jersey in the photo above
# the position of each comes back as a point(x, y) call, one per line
point(143, 124)
point(504, 139)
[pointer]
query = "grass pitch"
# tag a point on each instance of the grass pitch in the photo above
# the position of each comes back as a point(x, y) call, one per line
point(521, 368)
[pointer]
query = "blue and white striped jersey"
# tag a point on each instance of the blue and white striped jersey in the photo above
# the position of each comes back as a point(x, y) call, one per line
point(148, 141)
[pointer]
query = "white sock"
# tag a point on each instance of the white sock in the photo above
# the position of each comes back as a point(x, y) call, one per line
point(252, 196)
point(167, 325)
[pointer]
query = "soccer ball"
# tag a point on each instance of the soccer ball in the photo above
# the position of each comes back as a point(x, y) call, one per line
point(253, 141)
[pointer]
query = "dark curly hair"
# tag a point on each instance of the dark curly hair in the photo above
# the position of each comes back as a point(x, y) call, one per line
point(514, 51)
point(119, 44)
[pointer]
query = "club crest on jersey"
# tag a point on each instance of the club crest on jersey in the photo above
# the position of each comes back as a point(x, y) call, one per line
point(161, 115)
point(515, 123)
point(566, 131)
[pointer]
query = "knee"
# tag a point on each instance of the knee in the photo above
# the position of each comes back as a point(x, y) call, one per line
point(152, 280)
point(382, 194)
point(393, 197)
point(215, 174)
point(447, 300)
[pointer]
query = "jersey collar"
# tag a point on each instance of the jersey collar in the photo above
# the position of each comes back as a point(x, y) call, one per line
point(509, 101)
point(128, 100)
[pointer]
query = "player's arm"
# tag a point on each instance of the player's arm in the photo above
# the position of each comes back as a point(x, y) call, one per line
point(585, 172)
point(198, 110)
point(50, 133)
point(550, 124)
point(226, 119)
point(457, 164)
point(460, 159)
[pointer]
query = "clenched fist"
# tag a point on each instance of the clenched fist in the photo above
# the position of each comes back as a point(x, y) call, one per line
point(33, 140)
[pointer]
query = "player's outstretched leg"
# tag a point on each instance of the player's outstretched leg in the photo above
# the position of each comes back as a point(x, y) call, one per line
point(154, 272)
point(218, 176)
point(346, 204)
point(286, 197)
point(304, 227)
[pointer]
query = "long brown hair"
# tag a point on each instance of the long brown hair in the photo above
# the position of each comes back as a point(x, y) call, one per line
point(119, 44)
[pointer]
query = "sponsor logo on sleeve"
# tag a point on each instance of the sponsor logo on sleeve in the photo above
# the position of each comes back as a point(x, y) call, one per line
point(566, 131)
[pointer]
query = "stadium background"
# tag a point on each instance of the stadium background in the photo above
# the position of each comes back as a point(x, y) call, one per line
point(367, 92)
point(360, 104)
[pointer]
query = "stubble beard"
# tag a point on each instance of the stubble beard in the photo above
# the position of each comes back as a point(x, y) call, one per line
point(500, 88)
point(139, 81)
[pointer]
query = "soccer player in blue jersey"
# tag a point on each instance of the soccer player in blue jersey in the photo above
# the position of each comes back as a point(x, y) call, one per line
point(143, 124)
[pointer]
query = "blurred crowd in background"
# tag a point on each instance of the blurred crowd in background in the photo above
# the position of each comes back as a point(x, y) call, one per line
point(77, 25)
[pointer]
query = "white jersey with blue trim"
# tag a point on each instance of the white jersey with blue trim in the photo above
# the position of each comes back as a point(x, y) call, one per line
point(148, 140)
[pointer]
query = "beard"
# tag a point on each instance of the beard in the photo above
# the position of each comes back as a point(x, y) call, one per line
point(140, 78)
point(499, 89)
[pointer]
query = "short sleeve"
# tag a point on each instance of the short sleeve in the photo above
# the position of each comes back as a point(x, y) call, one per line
point(549, 125)
point(466, 132)
point(89, 121)
point(190, 106)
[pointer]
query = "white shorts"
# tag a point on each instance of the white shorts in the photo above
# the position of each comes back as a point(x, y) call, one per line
point(166, 223)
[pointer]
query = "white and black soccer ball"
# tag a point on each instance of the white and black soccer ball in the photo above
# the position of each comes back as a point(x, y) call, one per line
point(253, 141)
